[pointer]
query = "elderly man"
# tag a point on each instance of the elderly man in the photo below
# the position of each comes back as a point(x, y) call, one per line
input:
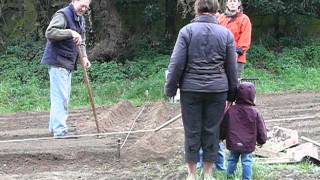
point(64, 34)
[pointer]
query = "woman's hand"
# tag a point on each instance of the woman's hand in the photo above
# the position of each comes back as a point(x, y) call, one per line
point(227, 105)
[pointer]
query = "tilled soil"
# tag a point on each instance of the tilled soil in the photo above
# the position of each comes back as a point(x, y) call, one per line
point(150, 155)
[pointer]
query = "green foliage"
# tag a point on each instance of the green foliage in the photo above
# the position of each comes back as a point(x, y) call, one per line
point(271, 43)
point(259, 57)
point(24, 84)
point(304, 169)
point(17, 97)
point(151, 9)
point(261, 172)
point(141, 68)
point(152, 12)
point(146, 45)
point(286, 60)
point(293, 80)
point(311, 55)
point(283, 7)
point(307, 167)
point(267, 7)
point(144, 26)
point(20, 61)
point(113, 81)
point(289, 18)
point(107, 71)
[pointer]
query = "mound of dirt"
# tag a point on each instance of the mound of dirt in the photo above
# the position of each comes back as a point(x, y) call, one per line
point(155, 146)
point(161, 153)
point(143, 147)
point(120, 116)
point(117, 118)
point(156, 114)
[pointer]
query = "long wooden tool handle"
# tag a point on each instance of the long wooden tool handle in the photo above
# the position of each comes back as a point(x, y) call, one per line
point(310, 140)
point(168, 122)
point(87, 82)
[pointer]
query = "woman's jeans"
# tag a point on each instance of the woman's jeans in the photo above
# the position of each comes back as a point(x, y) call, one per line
point(60, 88)
point(246, 161)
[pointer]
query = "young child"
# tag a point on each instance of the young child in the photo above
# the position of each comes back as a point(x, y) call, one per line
point(242, 127)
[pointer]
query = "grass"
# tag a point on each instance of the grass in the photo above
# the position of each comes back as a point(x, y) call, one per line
point(111, 83)
point(34, 94)
point(24, 84)
point(294, 80)
point(15, 97)
point(112, 92)
point(260, 172)
point(270, 172)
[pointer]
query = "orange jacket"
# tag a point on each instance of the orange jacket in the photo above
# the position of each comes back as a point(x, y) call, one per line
point(240, 26)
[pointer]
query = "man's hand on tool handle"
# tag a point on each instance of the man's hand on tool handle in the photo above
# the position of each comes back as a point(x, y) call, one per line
point(86, 62)
point(76, 38)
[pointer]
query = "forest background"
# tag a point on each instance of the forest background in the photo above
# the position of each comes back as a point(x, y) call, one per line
point(130, 42)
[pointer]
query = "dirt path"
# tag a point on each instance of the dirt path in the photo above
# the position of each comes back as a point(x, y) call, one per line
point(144, 156)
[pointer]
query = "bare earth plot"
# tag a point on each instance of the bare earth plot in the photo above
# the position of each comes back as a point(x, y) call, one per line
point(144, 155)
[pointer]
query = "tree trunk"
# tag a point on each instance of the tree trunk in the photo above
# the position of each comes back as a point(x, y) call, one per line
point(277, 27)
point(171, 12)
point(106, 30)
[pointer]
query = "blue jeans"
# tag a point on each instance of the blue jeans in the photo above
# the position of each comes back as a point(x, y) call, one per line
point(60, 89)
point(246, 161)
point(219, 161)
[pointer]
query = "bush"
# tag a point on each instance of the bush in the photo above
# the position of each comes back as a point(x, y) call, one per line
point(259, 57)
point(289, 58)
point(141, 68)
point(311, 56)
point(21, 61)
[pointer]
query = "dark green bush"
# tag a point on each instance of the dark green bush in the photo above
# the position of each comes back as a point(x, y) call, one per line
point(260, 57)
point(311, 56)
point(131, 70)
point(289, 58)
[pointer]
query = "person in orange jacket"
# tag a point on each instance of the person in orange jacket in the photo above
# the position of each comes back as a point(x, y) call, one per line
point(239, 24)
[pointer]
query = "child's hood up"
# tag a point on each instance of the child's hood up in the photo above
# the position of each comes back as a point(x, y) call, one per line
point(246, 94)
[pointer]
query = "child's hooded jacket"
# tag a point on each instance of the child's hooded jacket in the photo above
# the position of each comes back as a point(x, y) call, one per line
point(242, 125)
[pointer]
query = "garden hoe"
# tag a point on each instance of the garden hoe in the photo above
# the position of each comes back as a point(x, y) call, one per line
point(87, 82)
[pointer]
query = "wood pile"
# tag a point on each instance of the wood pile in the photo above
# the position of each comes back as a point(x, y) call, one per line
point(284, 146)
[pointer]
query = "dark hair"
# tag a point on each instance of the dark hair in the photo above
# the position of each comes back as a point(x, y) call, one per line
point(206, 6)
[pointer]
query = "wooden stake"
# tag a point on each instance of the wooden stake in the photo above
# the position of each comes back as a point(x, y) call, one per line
point(119, 149)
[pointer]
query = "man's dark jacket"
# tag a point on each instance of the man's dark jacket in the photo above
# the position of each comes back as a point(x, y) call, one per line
point(243, 126)
point(64, 53)
point(203, 59)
